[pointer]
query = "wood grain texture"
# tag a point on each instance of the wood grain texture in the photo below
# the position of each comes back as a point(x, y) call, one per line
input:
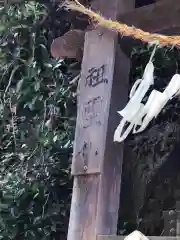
point(150, 238)
point(169, 223)
point(83, 213)
point(89, 129)
point(69, 45)
point(156, 17)
point(109, 191)
point(97, 161)
point(162, 17)
point(178, 218)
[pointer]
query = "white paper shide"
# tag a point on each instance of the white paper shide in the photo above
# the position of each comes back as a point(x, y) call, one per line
point(136, 115)
point(136, 235)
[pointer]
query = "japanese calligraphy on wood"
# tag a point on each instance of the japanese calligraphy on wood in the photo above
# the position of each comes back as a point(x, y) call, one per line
point(95, 92)
point(91, 111)
point(97, 160)
point(96, 76)
point(95, 155)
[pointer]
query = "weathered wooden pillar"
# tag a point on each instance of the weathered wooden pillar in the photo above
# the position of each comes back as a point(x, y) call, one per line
point(170, 222)
point(97, 160)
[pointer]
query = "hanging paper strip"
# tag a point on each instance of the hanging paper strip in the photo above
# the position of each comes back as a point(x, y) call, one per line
point(136, 115)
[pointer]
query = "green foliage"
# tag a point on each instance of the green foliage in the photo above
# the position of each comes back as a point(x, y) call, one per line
point(37, 119)
point(154, 144)
point(31, 210)
point(150, 175)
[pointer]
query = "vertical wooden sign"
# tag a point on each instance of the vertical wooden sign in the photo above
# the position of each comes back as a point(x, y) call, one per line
point(94, 101)
point(97, 160)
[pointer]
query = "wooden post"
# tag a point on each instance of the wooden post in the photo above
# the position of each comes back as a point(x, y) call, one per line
point(97, 160)
point(178, 218)
point(169, 223)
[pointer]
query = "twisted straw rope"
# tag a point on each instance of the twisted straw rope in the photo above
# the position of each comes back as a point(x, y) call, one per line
point(124, 29)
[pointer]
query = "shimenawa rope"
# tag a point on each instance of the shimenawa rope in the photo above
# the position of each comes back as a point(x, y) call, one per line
point(123, 29)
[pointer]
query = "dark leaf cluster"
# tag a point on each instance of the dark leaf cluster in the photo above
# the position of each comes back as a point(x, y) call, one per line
point(37, 120)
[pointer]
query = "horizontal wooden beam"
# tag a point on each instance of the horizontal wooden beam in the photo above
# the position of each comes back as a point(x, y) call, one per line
point(161, 17)
point(151, 238)
point(157, 17)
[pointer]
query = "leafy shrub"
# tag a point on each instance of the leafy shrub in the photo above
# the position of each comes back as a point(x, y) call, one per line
point(37, 119)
